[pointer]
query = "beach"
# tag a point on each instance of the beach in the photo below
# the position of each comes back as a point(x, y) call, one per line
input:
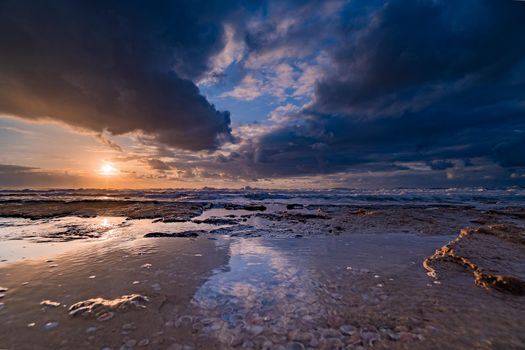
point(262, 270)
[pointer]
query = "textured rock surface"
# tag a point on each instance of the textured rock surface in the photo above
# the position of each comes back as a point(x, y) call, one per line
point(494, 254)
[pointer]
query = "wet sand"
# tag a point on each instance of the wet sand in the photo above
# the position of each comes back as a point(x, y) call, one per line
point(323, 277)
point(177, 269)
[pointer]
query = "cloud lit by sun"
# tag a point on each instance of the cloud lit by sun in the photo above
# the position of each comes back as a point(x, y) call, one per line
point(107, 169)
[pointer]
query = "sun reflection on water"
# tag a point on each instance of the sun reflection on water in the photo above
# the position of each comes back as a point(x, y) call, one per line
point(105, 223)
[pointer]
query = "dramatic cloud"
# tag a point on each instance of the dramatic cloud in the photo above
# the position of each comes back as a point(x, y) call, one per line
point(412, 81)
point(420, 92)
point(119, 66)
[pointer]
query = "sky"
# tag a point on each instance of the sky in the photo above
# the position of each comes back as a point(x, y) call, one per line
point(272, 94)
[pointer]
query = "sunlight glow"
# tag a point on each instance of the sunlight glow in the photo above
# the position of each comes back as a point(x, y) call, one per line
point(108, 169)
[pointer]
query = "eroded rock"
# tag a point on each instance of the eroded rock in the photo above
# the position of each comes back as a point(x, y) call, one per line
point(494, 254)
point(103, 308)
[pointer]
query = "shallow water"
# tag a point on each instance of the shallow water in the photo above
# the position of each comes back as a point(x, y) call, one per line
point(332, 292)
point(272, 287)
point(365, 290)
point(28, 239)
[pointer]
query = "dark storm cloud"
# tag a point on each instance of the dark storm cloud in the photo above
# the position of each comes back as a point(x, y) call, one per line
point(24, 176)
point(157, 164)
point(13, 169)
point(412, 81)
point(412, 52)
point(116, 65)
point(441, 164)
point(409, 84)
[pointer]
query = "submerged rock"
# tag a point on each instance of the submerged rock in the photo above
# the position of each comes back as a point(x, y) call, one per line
point(50, 325)
point(176, 234)
point(249, 207)
point(102, 309)
point(217, 221)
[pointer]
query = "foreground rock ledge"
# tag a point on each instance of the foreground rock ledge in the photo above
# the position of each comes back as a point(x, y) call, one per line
point(494, 254)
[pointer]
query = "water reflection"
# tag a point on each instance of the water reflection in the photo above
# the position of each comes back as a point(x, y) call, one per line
point(261, 294)
point(276, 291)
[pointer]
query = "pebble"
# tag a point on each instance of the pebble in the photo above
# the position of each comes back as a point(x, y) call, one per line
point(2, 305)
point(256, 330)
point(90, 330)
point(106, 316)
point(136, 282)
point(131, 343)
point(294, 346)
point(332, 343)
point(393, 335)
point(330, 333)
point(146, 266)
point(347, 329)
point(186, 319)
point(2, 296)
point(128, 327)
point(51, 303)
point(3, 289)
point(31, 325)
point(143, 342)
point(314, 342)
point(54, 265)
point(50, 325)
point(92, 276)
point(25, 283)
point(174, 346)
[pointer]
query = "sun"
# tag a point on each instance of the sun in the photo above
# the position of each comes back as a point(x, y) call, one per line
point(107, 169)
